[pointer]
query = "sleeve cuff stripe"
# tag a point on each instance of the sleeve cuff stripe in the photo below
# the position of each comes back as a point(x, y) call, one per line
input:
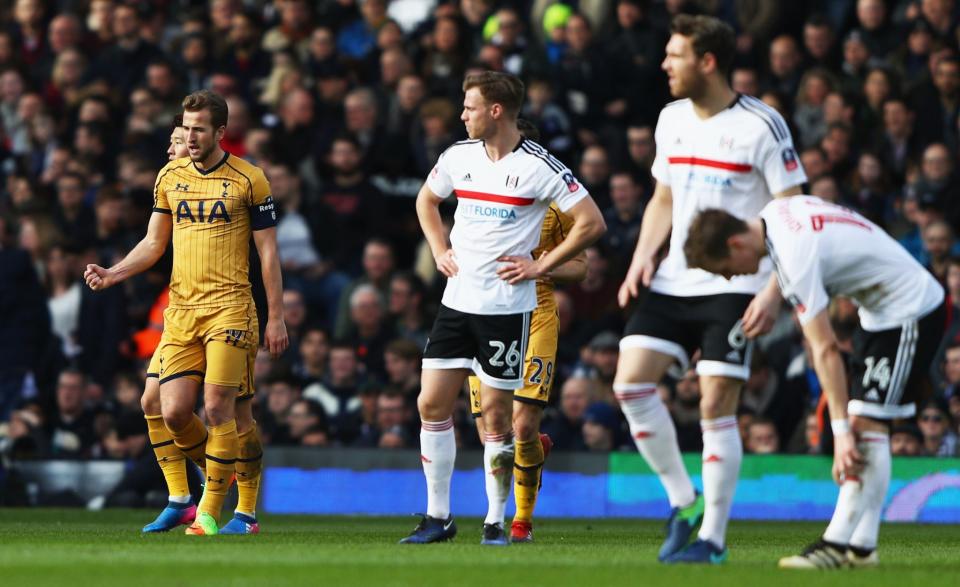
point(162, 210)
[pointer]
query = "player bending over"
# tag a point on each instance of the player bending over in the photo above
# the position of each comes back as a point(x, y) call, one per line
point(210, 203)
point(821, 250)
point(504, 185)
point(715, 149)
point(530, 447)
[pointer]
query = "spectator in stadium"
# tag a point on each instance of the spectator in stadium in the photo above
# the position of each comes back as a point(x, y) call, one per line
point(295, 318)
point(303, 267)
point(879, 34)
point(564, 424)
point(641, 150)
point(593, 298)
point(351, 206)
point(808, 117)
point(937, 103)
point(393, 415)
point(70, 432)
point(295, 132)
point(339, 393)
point(784, 63)
point(685, 411)
point(406, 306)
point(358, 38)
point(939, 439)
point(911, 57)
point(25, 329)
point(594, 173)
point(870, 191)
point(308, 424)
point(65, 293)
point(370, 330)
point(819, 43)
point(239, 54)
point(762, 437)
point(601, 357)
point(402, 361)
point(601, 422)
point(314, 352)
point(585, 75)
point(623, 217)
point(378, 266)
point(898, 145)
point(293, 31)
point(23, 435)
point(123, 62)
point(938, 242)
point(281, 393)
point(547, 115)
point(906, 441)
point(815, 163)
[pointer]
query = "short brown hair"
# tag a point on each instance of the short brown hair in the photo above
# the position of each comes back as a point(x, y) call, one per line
point(708, 235)
point(498, 88)
point(707, 35)
point(207, 100)
point(404, 349)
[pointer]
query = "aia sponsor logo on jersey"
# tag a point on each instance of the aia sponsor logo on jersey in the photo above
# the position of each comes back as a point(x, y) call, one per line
point(217, 211)
point(789, 157)
point(571, 182)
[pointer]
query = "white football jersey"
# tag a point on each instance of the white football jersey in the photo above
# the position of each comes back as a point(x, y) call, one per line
point(500, 209)
point(735, 160)
point(821, 250)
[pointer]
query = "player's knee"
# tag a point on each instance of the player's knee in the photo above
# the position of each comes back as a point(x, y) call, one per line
point(431, 408)
point(175, 418)
point(526, 423)
point(150, 401)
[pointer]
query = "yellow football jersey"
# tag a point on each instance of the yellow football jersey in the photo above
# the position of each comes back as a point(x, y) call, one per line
point(556, 227)
point(213, 213)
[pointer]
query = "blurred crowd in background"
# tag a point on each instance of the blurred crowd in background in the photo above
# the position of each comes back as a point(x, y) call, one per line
point(346, 105)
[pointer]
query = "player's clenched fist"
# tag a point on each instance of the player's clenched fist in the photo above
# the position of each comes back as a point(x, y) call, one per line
point(446, 263)
point(97, 277)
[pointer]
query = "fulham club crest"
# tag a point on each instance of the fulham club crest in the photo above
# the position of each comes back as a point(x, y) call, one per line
point(513, 181)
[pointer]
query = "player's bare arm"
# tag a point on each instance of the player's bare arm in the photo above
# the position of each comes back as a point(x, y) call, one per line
point(275, 333)
point(428, 212)
point(765, 307)
point(573, 271)
point(588, 226)
point(829, 366)
point(143, 256)
point(654, 231)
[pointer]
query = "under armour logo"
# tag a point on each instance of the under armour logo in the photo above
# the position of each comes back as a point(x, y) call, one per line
point(182, 187)
point(425, 459)
point(212, 480)
point(643, 434)
point(712, 459)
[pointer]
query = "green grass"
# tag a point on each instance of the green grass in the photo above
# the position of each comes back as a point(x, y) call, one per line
point(70, 547)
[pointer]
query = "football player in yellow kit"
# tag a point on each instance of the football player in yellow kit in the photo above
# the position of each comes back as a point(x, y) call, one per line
point(211, 203)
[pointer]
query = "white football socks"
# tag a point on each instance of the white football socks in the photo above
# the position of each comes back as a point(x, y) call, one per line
point(438, 451)
point(856, 519)
point(722, 453)
point(656, 438)
point(498, 472)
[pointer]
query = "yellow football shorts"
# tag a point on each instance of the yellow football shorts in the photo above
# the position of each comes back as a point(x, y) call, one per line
point(213, 345)
point(538, 364)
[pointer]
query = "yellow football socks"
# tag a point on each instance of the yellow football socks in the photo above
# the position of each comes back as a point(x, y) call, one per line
point(528, 462)
point(249, 468)
point(169, 457)
point(222, 448)
point(192, 441)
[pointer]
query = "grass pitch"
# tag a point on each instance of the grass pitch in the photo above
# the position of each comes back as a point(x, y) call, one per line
point(71, 547)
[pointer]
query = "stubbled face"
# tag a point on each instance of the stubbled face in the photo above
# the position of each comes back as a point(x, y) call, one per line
point(742, 260)
point(200, 135)
point(178, 145)
point(683, 68)
point(477, 115)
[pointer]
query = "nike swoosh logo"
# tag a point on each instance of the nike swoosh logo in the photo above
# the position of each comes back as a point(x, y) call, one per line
point(447, 525)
